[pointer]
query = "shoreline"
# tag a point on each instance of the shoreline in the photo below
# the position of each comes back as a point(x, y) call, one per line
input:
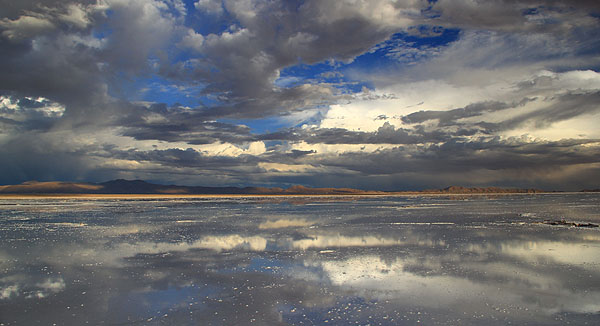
point(174, 196)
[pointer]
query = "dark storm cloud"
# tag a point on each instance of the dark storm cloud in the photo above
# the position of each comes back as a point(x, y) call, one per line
point(199, 134)
point(508, 158)
point(274, 102)
point(565, 107)
point(517, 16)
point(242, 64)
point(75, 53)
point(177, 124)
point(139, 31)
point(463, 157)
point(179, 158)
point(65, 75)
point(297, 153)
point(43, 53)
point(386, 134)
point(43, 156)
point(14, 9)
point(28, 114)
point(239, 65)
point(46, 55)
point(447, 118)
point(548, 165)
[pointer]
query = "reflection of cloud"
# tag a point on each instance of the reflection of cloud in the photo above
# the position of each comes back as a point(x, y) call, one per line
point(216, 242)
point(235, 241)
point(340, 241)
point(113, 254)
point(124, 229)
point(5, 259)
point(23, 286)
point(7, 292)
point(284, 223)
point(370, 273)
point(53, 285)
point(326, 241)
point(577, 254)
point(370, 276)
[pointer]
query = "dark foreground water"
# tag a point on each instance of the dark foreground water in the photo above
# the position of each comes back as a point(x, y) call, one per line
point(436, 260)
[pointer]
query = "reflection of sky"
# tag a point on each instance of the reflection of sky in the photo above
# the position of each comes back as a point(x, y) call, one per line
point(375, 260)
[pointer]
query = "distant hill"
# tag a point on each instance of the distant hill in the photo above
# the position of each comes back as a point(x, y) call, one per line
point(54, 187)
point(486, 190)
point(591, 190)
point(134, 187)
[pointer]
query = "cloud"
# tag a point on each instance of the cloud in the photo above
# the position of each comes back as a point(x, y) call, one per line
point(28, 114)
point(139, 29)
point(446, 118)
point(25, 27)
point(193, 40)
point(386, 134)
point(243, 62)
point(564, 107)
point(178, 124)
point(214, 7)
point(276, 92)
point(516, 16)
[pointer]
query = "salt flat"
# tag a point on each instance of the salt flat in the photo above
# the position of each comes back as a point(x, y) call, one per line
point(299, 260)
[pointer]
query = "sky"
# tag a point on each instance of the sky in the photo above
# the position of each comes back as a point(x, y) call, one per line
point(388, 95)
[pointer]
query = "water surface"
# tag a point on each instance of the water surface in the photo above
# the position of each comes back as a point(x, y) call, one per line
point(432, 260)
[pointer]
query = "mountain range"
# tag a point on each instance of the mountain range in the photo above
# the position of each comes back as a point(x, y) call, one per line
point(134, 187)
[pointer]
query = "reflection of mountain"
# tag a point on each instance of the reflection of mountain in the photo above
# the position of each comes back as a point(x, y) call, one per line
point(121, 186)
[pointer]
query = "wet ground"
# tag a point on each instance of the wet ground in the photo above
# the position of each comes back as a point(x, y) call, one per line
point(431, 260)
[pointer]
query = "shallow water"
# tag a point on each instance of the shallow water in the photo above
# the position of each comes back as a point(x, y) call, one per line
point(433, 260)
